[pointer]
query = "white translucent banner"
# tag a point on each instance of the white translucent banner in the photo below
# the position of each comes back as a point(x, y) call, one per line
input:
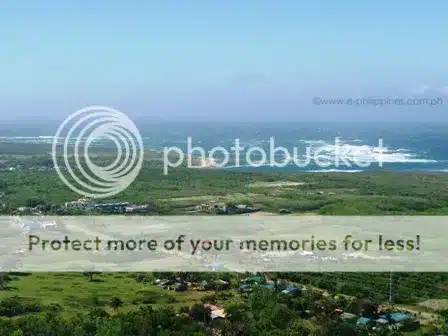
point(224, 243)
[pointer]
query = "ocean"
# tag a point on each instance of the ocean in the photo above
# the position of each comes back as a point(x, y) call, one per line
point(340, 147)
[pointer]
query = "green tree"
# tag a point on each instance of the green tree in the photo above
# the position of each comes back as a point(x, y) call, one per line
point(90, 275)
point(300, 327)
point(115, 303)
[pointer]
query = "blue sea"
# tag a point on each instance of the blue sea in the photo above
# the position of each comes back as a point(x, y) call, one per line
point(401, 147)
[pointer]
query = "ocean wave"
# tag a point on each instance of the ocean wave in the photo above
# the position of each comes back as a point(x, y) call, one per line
point(336, 152)
point(340, 151)
point(335, 171)
point(313, 142)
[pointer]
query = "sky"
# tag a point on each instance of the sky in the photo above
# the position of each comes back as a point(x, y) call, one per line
point(222, 60)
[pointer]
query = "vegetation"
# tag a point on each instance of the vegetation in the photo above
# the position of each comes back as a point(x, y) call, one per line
point(113, 304)
point(126, 304)
point(387, 193)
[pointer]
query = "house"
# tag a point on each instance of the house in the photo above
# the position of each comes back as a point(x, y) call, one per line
point(245, 288)
point(350, 320)
point(206, 286)
point(164, 283)
point(400, 320)
point(111, 207)
point(396, 317)
point(253, 209)
point(81, 204)
point(211, 307)
point(221, 284)
point(255, 280)
point(364, 321)
point(218, 313)
point(138, 208)
point(382, 323)
point(347, 316)
point(181, 287)
point(291, 290)
point(243, 208)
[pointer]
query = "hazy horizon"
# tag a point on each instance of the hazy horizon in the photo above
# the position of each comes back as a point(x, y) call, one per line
point(234, 61)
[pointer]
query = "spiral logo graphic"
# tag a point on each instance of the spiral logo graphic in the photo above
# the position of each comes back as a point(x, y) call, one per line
point(73, 160)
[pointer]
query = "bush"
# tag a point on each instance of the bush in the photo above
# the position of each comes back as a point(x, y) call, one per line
point(209, 298)
point(144, 278)
point(146, 297)
point(55, 307)
point(184, 310)
point(16, 305)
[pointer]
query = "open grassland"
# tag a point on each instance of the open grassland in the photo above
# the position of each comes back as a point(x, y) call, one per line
point(72, 293)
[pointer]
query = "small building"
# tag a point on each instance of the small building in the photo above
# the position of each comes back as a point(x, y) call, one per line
point(399, 317)
point(204, 285)
point(401, 320)
point(291, 290)
point(245, 288)
point(350, 320)
point(364, 321)
point(347, 316)
point(165, 282)
point(181, 287)
point(221, 284)
point(138, 208)
point(211, 307)
point(382, 322)
point(218, 314)
point(252, 209)
point(81, 204)
point(111, 207)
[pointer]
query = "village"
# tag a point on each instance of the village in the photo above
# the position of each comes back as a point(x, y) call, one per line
point(87, 206)
point(368, 315)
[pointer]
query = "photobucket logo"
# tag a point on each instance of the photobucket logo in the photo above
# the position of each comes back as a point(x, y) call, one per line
point(79, 132)
point(335, 155)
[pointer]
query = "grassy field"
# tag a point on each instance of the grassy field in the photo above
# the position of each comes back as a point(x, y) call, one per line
point(72, 293)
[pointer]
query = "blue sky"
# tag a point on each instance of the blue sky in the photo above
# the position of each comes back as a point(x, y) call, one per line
point(176, 60)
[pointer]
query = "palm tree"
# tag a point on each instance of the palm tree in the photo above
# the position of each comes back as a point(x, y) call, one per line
point(115, 303)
